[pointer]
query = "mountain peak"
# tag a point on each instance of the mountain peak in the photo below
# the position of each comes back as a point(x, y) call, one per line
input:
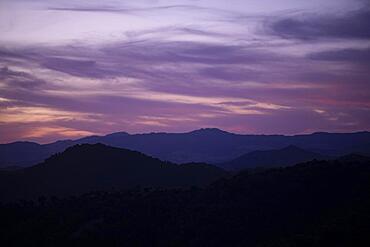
point(118, 134)
point(83, 148)
point(95, 149)
point(210, 131)
point(88, 146)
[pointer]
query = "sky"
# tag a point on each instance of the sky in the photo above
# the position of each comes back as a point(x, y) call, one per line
point(75, 68)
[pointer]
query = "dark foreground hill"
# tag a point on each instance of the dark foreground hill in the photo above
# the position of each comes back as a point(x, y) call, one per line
point(287, 156)
point(204, 145)
point(84, 168)
point(315, 204)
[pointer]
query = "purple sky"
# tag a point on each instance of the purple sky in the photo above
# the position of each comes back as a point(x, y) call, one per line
point(75, 68)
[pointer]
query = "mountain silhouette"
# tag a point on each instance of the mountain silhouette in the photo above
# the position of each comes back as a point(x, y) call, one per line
point(318, 203)
point(287, 156)
point(208, 145)
point(86, 167)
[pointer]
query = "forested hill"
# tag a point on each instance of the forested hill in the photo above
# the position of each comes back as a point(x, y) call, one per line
point(88, 167)
point(318, 203)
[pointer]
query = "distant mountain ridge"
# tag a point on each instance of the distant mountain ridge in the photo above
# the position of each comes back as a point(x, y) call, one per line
point(287, 156)
point(204, 145)
point(89, 167)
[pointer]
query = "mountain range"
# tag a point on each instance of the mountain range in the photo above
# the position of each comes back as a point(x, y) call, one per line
point(93, 194)
point(203, 145)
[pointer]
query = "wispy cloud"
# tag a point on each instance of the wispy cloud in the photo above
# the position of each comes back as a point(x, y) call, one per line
point(355, 56)
point(127, 10)
point(309, 26)
point(180, 67)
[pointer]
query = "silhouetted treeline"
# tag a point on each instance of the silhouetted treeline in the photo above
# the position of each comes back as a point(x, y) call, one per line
point(319, 203)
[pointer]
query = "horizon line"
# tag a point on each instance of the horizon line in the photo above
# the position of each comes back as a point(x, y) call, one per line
point(183, 132)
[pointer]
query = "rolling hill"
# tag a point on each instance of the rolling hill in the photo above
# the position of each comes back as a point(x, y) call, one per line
point(287, 156)
point(89, 167)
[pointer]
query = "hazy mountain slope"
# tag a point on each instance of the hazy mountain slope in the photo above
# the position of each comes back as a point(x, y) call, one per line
point(287, 156)
point(21, 153)
point(85, 168)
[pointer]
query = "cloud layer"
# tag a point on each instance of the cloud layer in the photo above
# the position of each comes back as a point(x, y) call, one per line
point(193, 66)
